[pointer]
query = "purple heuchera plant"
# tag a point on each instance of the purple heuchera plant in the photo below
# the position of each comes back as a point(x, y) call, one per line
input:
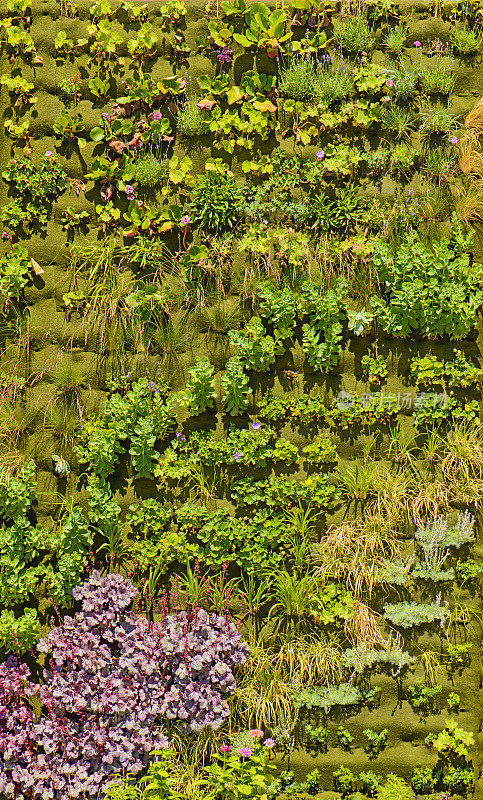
point(109, 676)
point(201, 650)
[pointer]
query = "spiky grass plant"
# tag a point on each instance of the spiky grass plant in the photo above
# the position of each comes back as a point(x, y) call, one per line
point(354, 552)
point(263, 697)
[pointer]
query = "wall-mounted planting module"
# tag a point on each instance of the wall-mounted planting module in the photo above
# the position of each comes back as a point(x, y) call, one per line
point(241, 457)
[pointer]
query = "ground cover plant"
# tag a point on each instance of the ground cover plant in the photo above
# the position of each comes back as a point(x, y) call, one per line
point(241, 448)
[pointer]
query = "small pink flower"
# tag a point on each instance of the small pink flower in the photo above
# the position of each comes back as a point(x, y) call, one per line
point(6, 235)
point(140, 202)
point(104, 115)
point(245, 751)
point(454, 140)
point(417, 44)
point(48, 153)
point(390, 83)
point(255, 733)
point(185, 220)
point(269, 743)
point(223, 748)
point(386, 99)
point(157, 115)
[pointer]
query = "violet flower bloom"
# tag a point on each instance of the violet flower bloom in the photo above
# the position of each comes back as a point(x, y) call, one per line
point(320, 154)
point(236, 456)
point(224, 56)
point(185, 220)
point(256, 426)
point(454, 140)
point(48, 153)
point(245, 751)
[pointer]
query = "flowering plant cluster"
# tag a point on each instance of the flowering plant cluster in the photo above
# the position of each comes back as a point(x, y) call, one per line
point(108, 678)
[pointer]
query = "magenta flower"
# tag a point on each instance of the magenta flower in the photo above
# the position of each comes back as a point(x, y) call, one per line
point(223, 748)
point(417, 44)
point(104, 115)
point(185, 220)
point(320, 154)
point(255, 733)
point(454, 140)
point(245, 751)
point(157, 115)
point(390, 83)
point(256, 426)
point(269, 743)
point(6, 235)
point(236, 456)
point(48, 153)
point(128, 189)
point(224, 56)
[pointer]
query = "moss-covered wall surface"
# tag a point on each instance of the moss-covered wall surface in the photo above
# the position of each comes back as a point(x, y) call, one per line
point(44, 336)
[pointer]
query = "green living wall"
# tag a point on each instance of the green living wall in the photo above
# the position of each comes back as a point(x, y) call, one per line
point(241, 292)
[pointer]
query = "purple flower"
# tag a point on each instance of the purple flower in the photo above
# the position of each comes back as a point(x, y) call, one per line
point(128, 189)
point(390, 83)
point(157, 115)
point(256, 426)
point(223, 748)
point(269, 743)
point(320, 154)
point(417, 44)
point(224, 56)
point(454, 140)
point(48, 153)
point(178, 435)
point(185, 220)
point(236, 456)
point(245, 751)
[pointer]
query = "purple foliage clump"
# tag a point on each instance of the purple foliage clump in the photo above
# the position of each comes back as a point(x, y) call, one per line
point(201, 650)
point(16, 721)
point(109, 676)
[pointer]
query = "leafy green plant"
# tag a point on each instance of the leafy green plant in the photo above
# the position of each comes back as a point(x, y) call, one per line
point(446, 304)
point(14, 267)
point(423, 780)
point(394, 788)
point(345, 739)
point(370, 783)
point(422, 698)
point(316, 738)
point(201, 385)
point(344, 781)
point(216, 202)
point(376, 742)
point(256, 349)
point(437, 121)
point(427, 370)
point(320, 451)
point(452, 743)
point(235, 387)
point(461, 372)
point(374, 368)
point(265, 29)
point(459, 780)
